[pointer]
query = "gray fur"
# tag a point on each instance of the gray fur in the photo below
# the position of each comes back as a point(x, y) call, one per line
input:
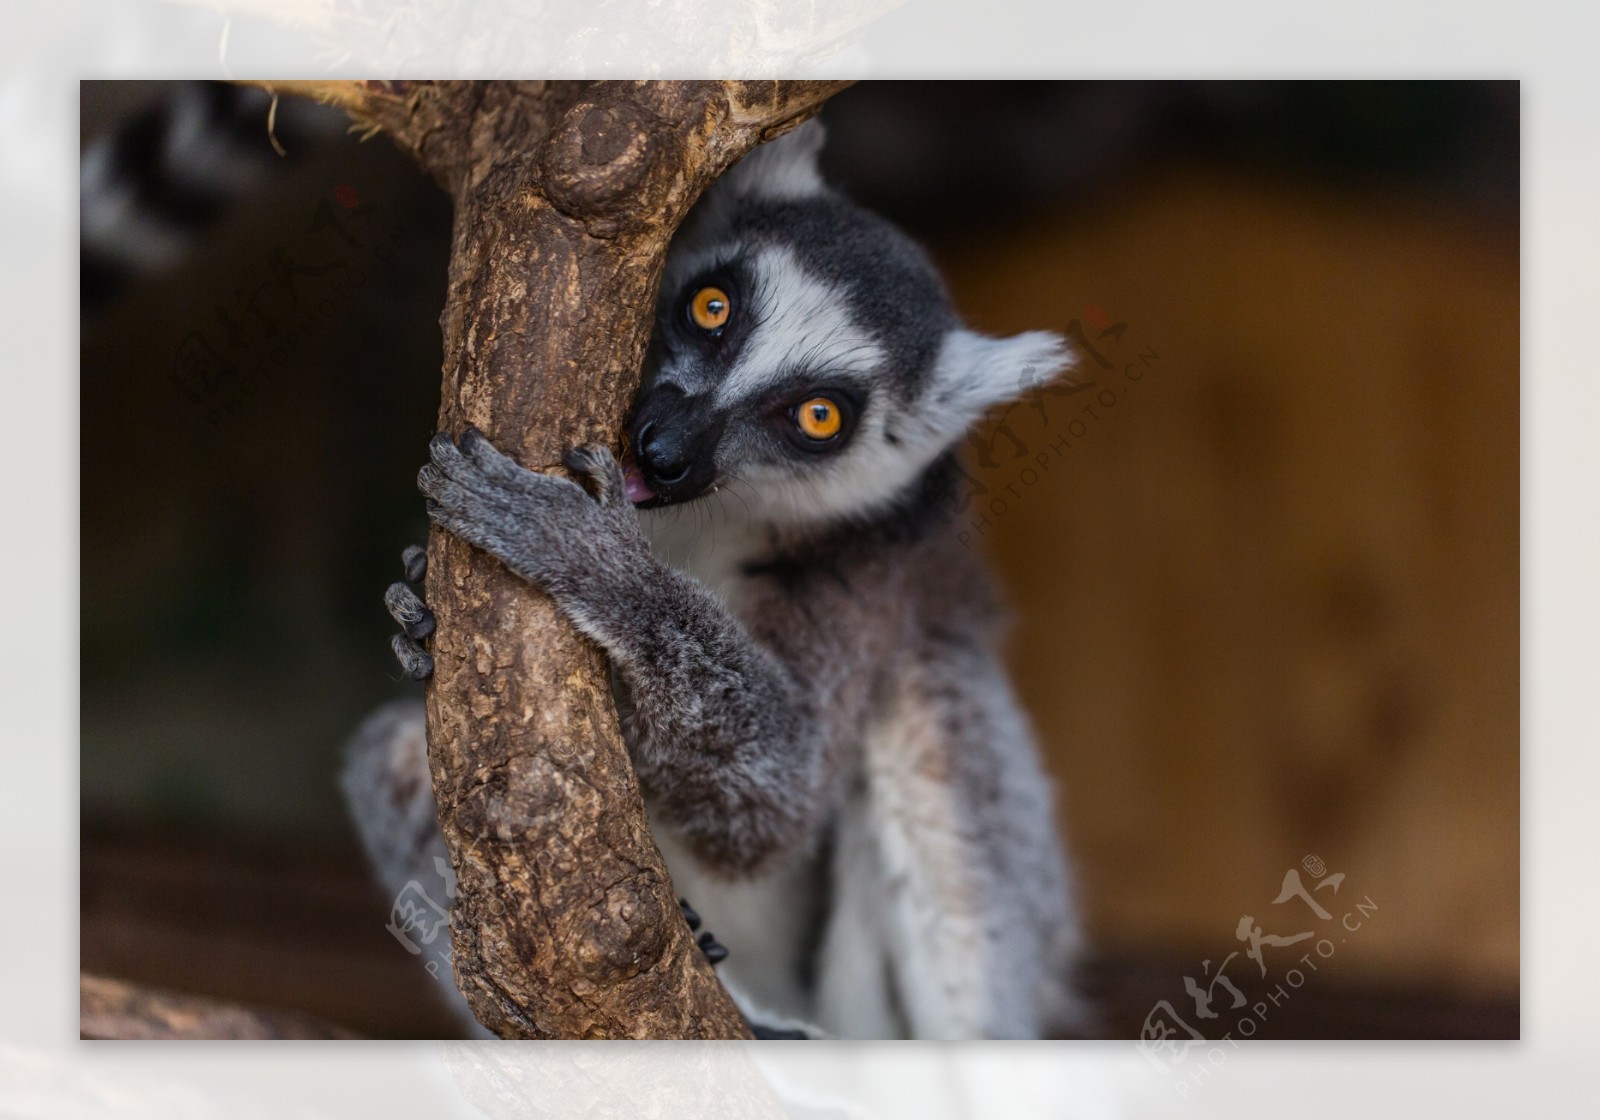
point(415, 619)
point(390, 793)
point(806, 659)
point(387, 784)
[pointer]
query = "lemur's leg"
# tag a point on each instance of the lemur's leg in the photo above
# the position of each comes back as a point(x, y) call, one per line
point(723, 736)
point(973, 892)
point(390, 794)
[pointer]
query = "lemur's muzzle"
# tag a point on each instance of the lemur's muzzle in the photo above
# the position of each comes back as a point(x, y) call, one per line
point(674, 445)
point(664, 454)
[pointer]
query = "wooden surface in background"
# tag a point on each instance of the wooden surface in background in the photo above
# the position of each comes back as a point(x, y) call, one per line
point(303, 933)
point(294, 931)
point(1267, 595)
point(114, 1009)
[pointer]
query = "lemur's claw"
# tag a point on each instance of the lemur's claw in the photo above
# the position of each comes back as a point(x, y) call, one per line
point(714, 950)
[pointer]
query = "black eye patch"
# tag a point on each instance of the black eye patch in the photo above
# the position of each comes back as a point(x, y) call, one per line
point(811, 413)
point(714, 308)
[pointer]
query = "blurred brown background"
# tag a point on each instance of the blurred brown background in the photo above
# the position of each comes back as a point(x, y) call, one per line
point(1264, 558)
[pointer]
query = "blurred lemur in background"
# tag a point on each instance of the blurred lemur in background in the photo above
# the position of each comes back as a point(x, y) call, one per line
point(804, 655)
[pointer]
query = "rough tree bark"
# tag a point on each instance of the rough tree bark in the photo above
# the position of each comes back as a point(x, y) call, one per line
point(566, 194)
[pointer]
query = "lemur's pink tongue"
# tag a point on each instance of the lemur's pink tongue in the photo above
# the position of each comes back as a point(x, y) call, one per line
point(638, 489)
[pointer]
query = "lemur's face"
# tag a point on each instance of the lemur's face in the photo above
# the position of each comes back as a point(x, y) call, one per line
point(775, 379)
point(805, 354)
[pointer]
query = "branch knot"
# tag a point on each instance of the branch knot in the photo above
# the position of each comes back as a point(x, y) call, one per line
point(596, 161)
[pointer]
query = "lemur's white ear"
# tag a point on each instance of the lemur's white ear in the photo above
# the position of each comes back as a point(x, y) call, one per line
point(975, 372)
point(781, 169)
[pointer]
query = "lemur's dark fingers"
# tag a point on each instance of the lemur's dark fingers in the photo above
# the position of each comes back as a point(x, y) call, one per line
point(414, 660)
point(489, 463)
point(409, 611)
point(778, 1033)
point(714, 950)
point(595, 462)
point(446, 455)
point(442, 490)
point(415, 562)
point(689, 915)
point(493, 464)
point(474, 464)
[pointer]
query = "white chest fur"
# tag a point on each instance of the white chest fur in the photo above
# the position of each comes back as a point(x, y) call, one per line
point(710, 540)
point(768, 922)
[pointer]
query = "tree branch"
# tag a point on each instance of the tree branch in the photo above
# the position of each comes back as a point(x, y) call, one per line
point(566, 194)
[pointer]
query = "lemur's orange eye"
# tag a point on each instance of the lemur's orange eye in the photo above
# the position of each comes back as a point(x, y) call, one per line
point(710, 308)
point(819, 418)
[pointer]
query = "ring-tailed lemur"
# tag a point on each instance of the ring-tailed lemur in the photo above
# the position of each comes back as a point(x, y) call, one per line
point(151, 187)
point(838, 772)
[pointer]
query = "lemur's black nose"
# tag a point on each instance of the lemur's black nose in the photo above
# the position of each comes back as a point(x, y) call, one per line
point(664, 456)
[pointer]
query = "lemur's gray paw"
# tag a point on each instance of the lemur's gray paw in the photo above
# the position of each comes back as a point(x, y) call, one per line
point(485, 498)
point(413, 615)
point(547, 529)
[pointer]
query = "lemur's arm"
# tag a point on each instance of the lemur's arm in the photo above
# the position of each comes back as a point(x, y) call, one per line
point(726, 738)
